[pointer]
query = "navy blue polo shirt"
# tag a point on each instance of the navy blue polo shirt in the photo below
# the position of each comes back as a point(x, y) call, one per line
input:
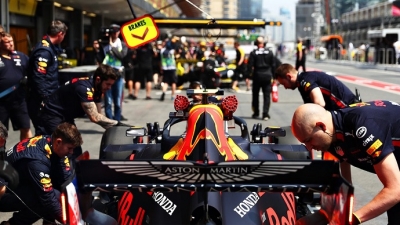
point(366, 133)
point(66, 101)
point(335, 93)
point(13, 68)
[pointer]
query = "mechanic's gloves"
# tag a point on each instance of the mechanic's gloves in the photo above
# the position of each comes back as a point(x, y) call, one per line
point(122, 124)
point(317, 218)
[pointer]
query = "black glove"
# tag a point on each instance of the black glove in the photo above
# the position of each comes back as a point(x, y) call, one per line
point(123, 124)
point(23, 81)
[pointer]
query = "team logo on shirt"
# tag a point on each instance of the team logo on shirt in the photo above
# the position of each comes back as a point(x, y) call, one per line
point(17, 62)
point(307, 86)
point(372, 150)
point(376, 154)
point(89, 94)
point(368, 140)
point(361, 131)
point(41, 70)
point(46, 182)
point(42, 64)
point(360, 104)
point(48, 150)
point(67, 166)
point(339, 150)
point(45, 43)
point(41, 59)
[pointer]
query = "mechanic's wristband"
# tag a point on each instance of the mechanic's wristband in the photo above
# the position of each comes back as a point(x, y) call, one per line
point(355, 219)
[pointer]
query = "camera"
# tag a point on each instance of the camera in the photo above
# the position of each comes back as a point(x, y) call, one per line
point(104, 35)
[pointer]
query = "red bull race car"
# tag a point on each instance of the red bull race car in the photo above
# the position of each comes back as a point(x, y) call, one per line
point(207, 176)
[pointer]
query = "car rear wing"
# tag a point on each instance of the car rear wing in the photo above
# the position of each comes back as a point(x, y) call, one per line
point(298, 176)
point(269, 176)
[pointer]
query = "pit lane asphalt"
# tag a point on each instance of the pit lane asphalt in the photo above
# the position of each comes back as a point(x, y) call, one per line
point(141, 111)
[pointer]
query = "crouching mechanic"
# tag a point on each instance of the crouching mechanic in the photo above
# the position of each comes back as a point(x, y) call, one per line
point(78, 97)
point(365, 135)
point(3, 138)
point(42, 165)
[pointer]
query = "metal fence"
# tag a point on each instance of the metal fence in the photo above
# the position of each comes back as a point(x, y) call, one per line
point(371, 55)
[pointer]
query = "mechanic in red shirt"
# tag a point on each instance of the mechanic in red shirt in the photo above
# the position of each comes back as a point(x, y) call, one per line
point(365, 135)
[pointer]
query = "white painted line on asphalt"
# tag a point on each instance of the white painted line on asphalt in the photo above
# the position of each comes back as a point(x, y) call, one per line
point(365, 84)
point(331, 73)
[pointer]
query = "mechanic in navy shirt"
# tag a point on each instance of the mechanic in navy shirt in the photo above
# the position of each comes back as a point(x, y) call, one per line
point(43, 68)
point(365, 135)
point(13, 67)
point(316, 87)
point(78, 97)
point(43, 166)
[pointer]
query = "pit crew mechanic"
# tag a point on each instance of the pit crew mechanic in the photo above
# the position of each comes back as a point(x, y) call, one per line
point(365, 135)
point(43, 165)
point(316, 87)
point(43, 68)
point(75, 99)
point(3, 138)
point(13, 67)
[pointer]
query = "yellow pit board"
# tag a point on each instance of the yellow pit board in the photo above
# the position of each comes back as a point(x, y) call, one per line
point(140, 31)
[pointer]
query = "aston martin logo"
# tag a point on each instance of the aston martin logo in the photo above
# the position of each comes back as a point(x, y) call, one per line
point(219, 173)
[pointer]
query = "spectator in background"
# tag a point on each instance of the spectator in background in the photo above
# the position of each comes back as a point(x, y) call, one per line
point(144, 57)
point(300, 55)
point(129, 66)
point(262, 64)
point(13, 67)
point(1, 29)
point(201, 48)
point(168, 68)
point(43, 68)
point(91, 54)
point(115, 52)
point(157, 65)
point(240, 67)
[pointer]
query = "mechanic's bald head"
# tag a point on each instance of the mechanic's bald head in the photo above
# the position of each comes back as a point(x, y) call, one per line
point(313, 126)
point(260, 42)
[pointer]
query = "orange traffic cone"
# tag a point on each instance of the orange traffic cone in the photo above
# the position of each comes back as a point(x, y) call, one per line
point(274, 92)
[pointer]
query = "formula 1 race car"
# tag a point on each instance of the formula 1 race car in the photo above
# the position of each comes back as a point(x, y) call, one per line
point(207, 176)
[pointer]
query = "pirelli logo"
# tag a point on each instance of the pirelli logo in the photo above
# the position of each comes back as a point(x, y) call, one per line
point(374, 147)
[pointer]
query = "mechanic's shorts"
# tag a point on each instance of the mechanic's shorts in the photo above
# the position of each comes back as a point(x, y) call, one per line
point(169, 77)
point(13, 106)
point(144, 75)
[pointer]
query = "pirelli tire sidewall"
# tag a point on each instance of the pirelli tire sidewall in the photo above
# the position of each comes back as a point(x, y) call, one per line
point(115, 135)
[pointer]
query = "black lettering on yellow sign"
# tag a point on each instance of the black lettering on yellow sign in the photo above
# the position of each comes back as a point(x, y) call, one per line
point(137, 24)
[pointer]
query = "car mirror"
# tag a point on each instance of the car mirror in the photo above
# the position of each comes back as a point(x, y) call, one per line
point(275, 132)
